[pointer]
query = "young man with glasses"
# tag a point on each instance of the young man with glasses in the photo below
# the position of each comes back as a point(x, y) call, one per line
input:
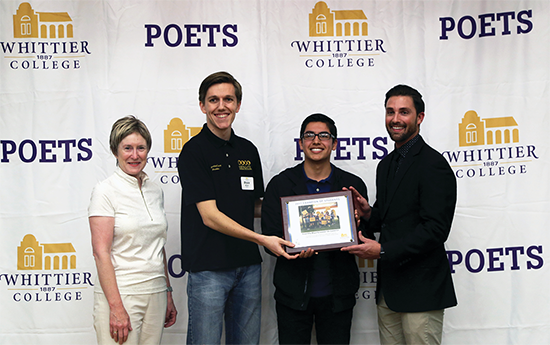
point(317, 287)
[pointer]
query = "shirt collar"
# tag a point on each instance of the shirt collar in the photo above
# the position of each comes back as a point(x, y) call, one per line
point(217, 141)
point(327, 180)
point(131, 179)
point(403, 150)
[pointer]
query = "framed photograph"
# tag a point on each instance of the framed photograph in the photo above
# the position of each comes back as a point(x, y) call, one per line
point(323, 221)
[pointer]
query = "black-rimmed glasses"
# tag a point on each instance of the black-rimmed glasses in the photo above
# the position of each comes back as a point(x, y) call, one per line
point(323, 136)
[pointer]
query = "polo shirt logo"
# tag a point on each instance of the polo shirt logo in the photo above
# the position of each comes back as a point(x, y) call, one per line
point(244, 165)
point(216, 167)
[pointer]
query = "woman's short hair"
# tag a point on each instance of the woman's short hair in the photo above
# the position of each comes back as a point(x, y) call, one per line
point(124, 127)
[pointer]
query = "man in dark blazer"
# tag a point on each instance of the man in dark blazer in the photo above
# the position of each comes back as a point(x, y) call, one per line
point(414, 209)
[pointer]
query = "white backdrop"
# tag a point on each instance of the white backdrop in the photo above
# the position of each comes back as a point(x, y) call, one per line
point(69, 69)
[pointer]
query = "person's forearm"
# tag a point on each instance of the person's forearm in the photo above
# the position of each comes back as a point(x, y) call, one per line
point(217, 220)
point(107, 279)
point(222, 223)
point(165, 267)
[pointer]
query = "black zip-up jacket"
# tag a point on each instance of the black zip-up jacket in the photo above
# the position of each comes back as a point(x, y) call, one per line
point(292, 277)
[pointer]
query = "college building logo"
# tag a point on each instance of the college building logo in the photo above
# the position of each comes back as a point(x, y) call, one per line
point(30, 24)
point(177, 134)
point(43, 41)
point(490, 147)
point(46, 272)
point(474, 131)
point(323, 22)
point(32, 255)
point(338, 39)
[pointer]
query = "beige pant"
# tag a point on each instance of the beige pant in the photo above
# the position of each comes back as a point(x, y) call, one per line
point(147, 315)
point(409, 328)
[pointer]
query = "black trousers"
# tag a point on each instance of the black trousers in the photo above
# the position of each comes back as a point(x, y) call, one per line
point(331, 328)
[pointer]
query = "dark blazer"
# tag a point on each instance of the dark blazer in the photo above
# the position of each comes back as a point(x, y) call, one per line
point(413, 215)
point(291, 277)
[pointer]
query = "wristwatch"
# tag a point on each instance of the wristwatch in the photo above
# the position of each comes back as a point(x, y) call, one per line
point(169, 289)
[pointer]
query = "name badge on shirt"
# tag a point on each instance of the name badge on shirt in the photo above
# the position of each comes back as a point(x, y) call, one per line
point(247, 183)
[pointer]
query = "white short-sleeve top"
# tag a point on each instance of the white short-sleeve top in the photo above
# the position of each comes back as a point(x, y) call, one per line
point(139, 233)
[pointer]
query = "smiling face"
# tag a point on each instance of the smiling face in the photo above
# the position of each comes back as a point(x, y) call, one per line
point(132, 154)
point(402, 121)
point(220, 106)
point(317, 150)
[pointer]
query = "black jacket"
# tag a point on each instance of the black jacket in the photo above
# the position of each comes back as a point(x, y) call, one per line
point(291, 277)
point(414, 214)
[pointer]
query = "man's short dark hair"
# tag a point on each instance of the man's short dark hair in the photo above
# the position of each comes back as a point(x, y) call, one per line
point(318, 117)
point(405, 90)
point(219, 78)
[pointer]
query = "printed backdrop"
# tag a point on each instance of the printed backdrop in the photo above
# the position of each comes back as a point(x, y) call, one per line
point(69, 69)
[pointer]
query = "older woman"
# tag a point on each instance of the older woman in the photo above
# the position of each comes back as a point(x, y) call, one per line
point(133, 300)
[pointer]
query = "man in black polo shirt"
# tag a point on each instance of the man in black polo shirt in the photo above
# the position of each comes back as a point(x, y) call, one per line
point(315, 288)
point(221, 178)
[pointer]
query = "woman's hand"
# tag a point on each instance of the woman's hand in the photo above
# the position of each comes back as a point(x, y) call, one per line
point(119, 324)
point(171, 312)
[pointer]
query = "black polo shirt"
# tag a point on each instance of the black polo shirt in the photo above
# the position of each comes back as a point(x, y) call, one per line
point(229, 172)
